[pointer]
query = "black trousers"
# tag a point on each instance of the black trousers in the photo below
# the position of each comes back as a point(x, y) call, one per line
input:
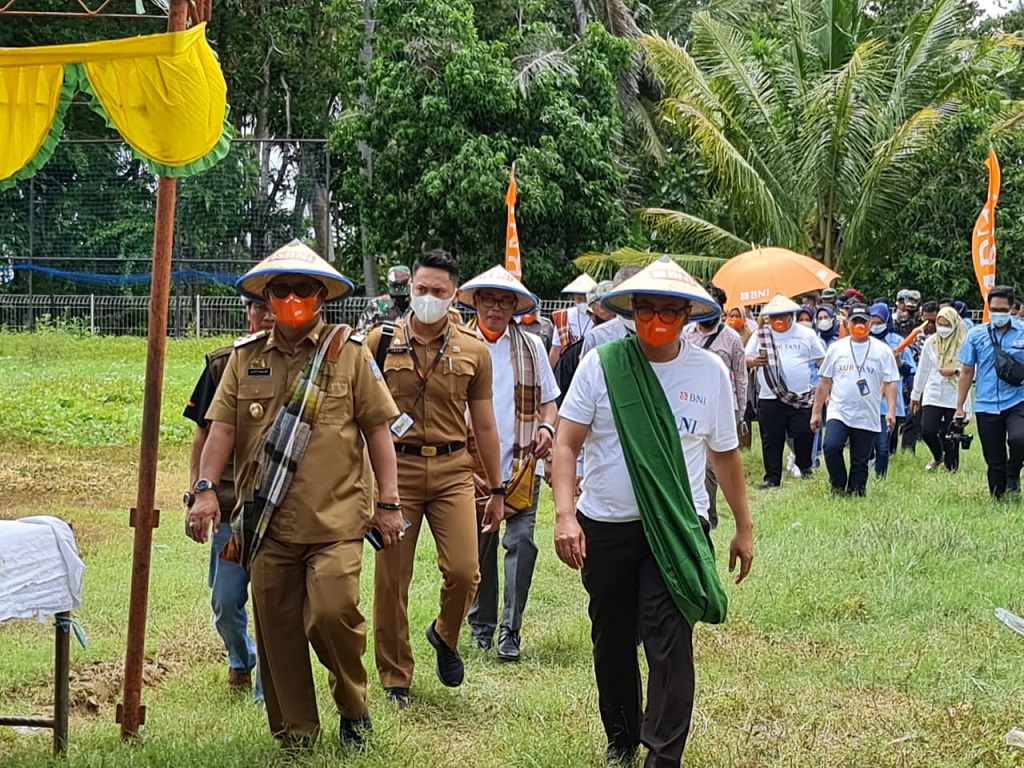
point(837, 435)
point(935, 421)
point(911, 430)
point(995, 431)
point(778, 420)
point(629, 601)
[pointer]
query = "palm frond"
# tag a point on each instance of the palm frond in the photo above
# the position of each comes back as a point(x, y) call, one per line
point(603, 266)
point(678, 227)
point(531, 65)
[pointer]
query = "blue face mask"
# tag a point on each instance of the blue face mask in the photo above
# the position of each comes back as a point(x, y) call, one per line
point(999, 319)
point(878, 330)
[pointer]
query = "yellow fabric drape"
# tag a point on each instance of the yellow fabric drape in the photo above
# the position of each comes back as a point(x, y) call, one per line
point(29, 98)
point(165, 94)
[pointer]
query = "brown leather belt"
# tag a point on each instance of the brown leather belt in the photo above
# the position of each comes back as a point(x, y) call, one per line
point(429, 451)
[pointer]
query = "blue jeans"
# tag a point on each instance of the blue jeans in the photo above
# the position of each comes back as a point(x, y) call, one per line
point(861, 442)
point(882, 451)
point(229, 592)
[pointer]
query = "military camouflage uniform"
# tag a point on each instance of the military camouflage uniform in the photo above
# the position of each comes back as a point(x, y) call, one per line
point(379, 310)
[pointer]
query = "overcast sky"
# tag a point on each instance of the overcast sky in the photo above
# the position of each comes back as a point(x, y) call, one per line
point(994, 7)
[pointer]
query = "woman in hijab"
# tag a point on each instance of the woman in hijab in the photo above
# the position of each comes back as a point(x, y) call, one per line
point(738, 319)
point(805, 317)
point(826, 325)
point(882, 329)
point(965, 314)
point(935, 388)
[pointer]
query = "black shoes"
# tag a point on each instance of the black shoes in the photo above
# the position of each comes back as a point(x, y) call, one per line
point(353, 733)
point(450, 670)
point(768, 484)
point(508, 645)
point(398, 696)
point(619, 756)
point(483, 643)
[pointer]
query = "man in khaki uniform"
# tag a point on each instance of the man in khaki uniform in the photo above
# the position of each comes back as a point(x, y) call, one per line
point(305, 569)
point(435, 369)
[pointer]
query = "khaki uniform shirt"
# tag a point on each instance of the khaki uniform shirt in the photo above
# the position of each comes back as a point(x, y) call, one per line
point(330, 497)
point(462, 374)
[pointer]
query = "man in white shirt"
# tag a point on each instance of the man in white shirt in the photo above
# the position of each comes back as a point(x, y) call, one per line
point(857, 373)
point(636, 480)
point(525, 392)
point(784, 354)
point(573, 323)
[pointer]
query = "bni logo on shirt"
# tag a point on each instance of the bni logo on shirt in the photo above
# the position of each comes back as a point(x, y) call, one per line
point(693, 397)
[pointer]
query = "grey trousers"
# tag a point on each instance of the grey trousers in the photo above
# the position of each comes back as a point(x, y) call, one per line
point(520, 561)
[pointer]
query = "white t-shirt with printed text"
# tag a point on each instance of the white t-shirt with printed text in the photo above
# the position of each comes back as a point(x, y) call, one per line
point(848, 362)
point(699, 393)
point(798, 349)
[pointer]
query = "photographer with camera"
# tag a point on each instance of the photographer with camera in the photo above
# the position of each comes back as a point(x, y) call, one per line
point(992, 357)
point(935, 391)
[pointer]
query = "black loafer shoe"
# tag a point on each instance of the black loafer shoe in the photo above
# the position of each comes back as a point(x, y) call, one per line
point(508, 645)
point(450, 670)
point(620, 756)
point(353, 733)
point(767, 484)
point(397, 696)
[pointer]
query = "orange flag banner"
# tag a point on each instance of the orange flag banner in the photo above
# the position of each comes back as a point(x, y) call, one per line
point(513, 261)
point(983, 240)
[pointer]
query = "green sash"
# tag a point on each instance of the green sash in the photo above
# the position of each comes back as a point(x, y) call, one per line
point(657, 470)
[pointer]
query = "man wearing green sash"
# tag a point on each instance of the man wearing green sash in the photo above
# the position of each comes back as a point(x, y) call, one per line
point(651, 411)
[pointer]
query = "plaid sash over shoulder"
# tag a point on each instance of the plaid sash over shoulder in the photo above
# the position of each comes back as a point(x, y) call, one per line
point(773, 374)
point(526, 369)
point(281, 450)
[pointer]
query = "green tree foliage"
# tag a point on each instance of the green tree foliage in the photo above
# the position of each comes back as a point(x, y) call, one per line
point(812, 127)
point(450, 112)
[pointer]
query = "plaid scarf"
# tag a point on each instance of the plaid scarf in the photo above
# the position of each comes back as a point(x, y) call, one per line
point(526, 370)
point(773, 373)
point(283, 447)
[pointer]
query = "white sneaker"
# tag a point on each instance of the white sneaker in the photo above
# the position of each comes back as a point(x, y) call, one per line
point(791, 463)
point(795, 472)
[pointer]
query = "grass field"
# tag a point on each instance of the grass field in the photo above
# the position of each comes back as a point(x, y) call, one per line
point(864, 636)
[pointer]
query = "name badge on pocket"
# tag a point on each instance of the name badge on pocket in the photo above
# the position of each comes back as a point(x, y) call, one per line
point(402, 425)
point(863, 388)
point(258, 371)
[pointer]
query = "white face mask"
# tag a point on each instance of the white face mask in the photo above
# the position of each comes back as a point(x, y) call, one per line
point(944, 331)
point(805, 323)
point(825, 325)
point(429, 309)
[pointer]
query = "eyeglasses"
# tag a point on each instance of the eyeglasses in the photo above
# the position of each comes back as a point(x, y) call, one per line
point(302, 290)
point(505, 302)
point(646, 314)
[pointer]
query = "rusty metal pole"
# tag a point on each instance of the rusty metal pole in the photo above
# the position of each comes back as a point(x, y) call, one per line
point(144, 516)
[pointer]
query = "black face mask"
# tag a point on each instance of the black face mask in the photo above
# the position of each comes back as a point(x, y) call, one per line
point(402, 302)
point(709, 324)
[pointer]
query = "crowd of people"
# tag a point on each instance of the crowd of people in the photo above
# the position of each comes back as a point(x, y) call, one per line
point(454, 401)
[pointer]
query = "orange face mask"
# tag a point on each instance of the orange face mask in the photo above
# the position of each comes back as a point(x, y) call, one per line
point(528, 319)
point(657, 332)
point(294, 311)
point(780, 324)
point(860, 330)
point(491, 336)
point(735, 323)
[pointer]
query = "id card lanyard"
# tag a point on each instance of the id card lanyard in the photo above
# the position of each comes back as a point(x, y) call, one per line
point(404, 422)
point(862, 384)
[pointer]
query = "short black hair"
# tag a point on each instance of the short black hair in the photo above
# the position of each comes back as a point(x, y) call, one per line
point(716, 293)
point(948, 302)
point(1001, 292)
point(438, 259)
point(930, 306)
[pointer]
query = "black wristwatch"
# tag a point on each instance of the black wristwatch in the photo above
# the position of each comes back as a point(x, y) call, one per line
point(188, 499)
point(501, 490)
point(204, 485)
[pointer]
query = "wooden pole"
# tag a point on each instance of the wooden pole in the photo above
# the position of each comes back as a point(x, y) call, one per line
point(145, 517)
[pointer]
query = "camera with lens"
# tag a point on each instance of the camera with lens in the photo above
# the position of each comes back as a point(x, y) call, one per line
point(956, 437)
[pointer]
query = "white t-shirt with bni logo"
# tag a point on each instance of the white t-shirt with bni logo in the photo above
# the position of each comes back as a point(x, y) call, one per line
point(849, 363)
point(798, 350)
point(699, 393)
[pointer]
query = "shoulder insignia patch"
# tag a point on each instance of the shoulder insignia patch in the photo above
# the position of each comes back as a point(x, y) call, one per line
point(357, 338)
point(375, 370)
point(249, 339)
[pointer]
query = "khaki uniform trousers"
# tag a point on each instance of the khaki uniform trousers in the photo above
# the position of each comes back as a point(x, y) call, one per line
point(308, 594)
point(441, 490)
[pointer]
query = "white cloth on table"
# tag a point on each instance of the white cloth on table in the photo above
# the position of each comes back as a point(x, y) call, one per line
point(40, 570)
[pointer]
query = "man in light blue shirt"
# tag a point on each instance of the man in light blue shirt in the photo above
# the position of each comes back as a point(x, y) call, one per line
point(999, 404)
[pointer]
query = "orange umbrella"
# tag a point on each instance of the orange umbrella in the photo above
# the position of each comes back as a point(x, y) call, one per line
point(756, 276)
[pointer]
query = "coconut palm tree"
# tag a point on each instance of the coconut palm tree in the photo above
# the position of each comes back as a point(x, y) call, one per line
point(811, 133)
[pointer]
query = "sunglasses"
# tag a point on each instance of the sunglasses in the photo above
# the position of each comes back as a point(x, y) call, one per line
point(505, 302)
point(302, 290)
point(646, 314)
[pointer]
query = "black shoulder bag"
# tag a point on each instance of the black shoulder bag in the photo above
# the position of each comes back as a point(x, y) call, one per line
point(1008, 368)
